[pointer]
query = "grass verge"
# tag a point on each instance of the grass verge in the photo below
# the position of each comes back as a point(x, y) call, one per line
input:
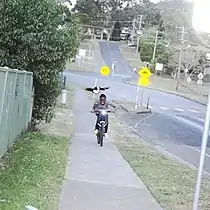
point(184, 91)
point(32, 172)
point(130, 55)
point(170, 182)
point(62, 124)
point(126, 105)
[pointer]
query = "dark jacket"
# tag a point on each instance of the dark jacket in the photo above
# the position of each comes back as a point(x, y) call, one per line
point(97, 105)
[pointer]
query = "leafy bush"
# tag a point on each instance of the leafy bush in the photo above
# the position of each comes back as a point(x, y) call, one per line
point(83, 18)
point(162, 54)
point(35, 36)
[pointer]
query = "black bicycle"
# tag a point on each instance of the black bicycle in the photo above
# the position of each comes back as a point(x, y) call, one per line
point(103, 117)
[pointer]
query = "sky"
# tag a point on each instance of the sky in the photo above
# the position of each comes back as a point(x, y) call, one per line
point(201, 15)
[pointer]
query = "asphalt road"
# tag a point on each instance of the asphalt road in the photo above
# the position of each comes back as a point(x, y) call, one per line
point(177, 123)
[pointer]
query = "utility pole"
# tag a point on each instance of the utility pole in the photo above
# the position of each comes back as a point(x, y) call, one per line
point(138, 40)
point(155, 46)
point(183, 32)
point(133, 32)
point(90, 46)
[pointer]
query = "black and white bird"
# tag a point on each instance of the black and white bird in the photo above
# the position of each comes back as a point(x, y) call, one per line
point(96, 89)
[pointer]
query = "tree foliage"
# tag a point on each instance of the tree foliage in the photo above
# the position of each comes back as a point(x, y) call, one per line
point(115, 10)
point(94, 9)
point(162, 54)
point(175, 13)
point(116, 31)
point(38, 36)
point(83, 18)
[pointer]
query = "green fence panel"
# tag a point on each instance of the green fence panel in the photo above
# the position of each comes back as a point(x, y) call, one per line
point(12, 119)
point(15, 105)
point(3, 78)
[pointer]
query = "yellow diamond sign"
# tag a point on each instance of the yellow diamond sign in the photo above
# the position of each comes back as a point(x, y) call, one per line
point(144, 72)
point(105, 70)
point(143, 81)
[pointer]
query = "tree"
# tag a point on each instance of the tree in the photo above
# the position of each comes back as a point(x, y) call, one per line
point(35, 36)
point(161, 30)
point(163, 53)
point(151, 14)
point(83, 18)
point(175, 13)
point(116, 31)
point(193, 58)
point(94, 9)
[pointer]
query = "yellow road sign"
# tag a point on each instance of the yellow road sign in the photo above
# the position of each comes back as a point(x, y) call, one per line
point(105, 70)
point(144, 72)
point(143, 81)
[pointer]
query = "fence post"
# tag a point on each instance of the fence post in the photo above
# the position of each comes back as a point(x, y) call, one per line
point(3, 98)
point(24, 96)
point(31, 100)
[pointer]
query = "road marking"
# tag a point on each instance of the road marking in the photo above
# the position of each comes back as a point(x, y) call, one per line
point(199, 127)
point(198, 150)
point(192, 110)
point(178, 109)
point(189, 122)
point(121, 75)
point(165, 108)
point(169, 154)
point(199, 119)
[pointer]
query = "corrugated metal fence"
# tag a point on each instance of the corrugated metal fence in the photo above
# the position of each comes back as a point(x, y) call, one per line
point(15, 105)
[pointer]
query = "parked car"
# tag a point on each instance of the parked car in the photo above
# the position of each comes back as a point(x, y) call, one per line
point(125, 34)
point(98, 34)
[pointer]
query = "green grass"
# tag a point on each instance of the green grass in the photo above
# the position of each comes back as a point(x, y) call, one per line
point(171, 182)
point(32, 172)
point(129, 106)
point(169, 86)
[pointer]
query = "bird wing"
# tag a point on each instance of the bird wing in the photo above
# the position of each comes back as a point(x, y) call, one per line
point(104, 88)
point(89, 89)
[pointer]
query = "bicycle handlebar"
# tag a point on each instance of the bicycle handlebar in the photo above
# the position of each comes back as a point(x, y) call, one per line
point(109, 111)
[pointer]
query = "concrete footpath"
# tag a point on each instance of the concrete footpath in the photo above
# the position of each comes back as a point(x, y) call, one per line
point(99, 178)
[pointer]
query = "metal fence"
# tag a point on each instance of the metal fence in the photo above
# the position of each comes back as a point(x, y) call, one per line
point(15, 105)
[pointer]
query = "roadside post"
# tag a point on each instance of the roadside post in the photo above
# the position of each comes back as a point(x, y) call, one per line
point(200, 78)
point(205, 136)
point(113, 69)
point(81, 57)
point(200, 15)
point(95, 84)
point(143, 81)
